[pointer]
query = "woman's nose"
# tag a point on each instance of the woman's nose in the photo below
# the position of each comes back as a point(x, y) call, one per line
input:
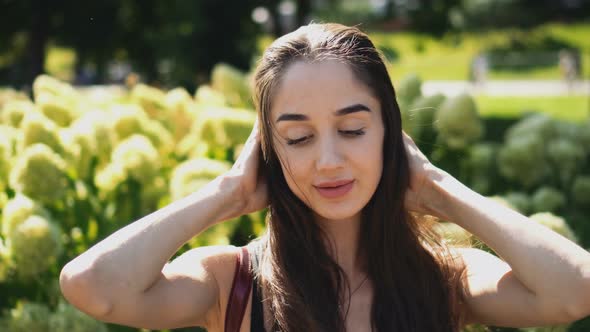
point(329, 155)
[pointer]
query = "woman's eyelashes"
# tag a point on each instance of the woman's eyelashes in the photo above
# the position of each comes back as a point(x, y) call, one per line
point(296, 141)
point(353, 133)
point(345, 133)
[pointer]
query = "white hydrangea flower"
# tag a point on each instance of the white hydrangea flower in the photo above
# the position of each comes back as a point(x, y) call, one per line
point(40, 174)
point(14, 111)
point(152, 100)
point(193, 174)
point(56, 108)
point(206, 95)
point(97, 122)
point(225, 127)
point(80, 148)
point(34, 245)
point(37, 128)
point(17, 210)
point(138, 156)
point(109, 177)
point(232, 83)
point(127, 120)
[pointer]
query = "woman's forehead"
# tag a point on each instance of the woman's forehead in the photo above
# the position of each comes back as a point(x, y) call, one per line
point(327, 86)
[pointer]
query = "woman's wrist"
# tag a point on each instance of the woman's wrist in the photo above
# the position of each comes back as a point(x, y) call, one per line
point(442, 193)
point(227, 189)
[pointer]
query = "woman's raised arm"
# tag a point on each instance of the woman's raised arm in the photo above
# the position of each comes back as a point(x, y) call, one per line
point(125, 278)
point(542, 279)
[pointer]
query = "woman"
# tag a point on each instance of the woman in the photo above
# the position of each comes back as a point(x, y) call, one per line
point(341, 252)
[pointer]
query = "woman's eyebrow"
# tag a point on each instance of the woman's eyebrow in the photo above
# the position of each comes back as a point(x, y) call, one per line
point(352, 109)
point(343, 111)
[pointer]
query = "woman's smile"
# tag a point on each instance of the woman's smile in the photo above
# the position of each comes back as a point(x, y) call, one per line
point(335, 189)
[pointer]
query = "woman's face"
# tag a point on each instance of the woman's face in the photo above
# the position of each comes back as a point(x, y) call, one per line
point(328, 134)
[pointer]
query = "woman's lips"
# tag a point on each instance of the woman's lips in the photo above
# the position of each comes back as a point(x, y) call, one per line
point(337, 191)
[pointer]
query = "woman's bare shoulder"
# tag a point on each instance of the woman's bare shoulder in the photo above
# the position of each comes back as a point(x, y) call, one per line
point(216, 263)
point(209, 256)
point(213, 258)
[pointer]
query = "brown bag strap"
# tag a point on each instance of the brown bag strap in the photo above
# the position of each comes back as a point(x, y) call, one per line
point(240, 292)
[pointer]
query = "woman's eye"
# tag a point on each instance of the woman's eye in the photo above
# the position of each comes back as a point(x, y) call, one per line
point(348, 133)
point(353, 133)
point(297, 140)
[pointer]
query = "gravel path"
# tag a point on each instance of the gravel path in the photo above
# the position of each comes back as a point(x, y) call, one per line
point(508, 88)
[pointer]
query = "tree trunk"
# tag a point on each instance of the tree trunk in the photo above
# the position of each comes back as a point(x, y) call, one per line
point(303, 10)
point(275, 18)
point(37, 40)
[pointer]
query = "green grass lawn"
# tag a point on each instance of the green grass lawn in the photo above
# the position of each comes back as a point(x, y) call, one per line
point(571, 108)
point(449, 58)
point(549, 73)
point(431, 59)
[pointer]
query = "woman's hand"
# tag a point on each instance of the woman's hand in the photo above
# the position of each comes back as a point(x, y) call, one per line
point(423, 175)
point(248, 185)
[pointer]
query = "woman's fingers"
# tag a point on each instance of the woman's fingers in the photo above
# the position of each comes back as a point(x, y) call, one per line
point(419, 165)
point(250, 149)
point(409, 142)
point(414, 154)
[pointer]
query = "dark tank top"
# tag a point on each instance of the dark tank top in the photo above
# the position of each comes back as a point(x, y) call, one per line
point(256, 318)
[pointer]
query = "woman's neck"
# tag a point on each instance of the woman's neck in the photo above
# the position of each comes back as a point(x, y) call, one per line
point(344, 245)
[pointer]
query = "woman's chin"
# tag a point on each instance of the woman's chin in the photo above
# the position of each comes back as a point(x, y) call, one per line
point(336, 216)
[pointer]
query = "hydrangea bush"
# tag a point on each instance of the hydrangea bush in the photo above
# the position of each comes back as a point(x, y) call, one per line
point(540, 167)
point(74, 168)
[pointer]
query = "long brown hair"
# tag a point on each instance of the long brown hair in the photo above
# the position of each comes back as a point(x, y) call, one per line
point(416, 288)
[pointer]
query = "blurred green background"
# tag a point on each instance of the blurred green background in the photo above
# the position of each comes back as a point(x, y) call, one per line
point(110, 110)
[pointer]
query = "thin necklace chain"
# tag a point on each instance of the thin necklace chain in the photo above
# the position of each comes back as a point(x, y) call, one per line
point(350, 296)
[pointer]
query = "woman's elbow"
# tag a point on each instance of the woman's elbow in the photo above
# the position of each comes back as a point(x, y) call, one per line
point(79, 290)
